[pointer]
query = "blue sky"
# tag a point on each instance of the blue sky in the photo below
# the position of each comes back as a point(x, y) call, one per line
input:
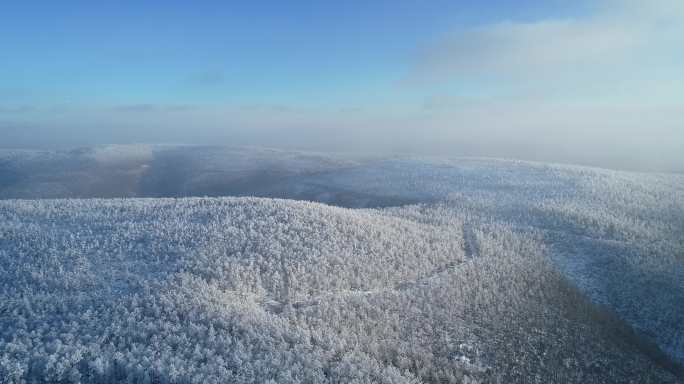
point(429, 73)
point(278, 52)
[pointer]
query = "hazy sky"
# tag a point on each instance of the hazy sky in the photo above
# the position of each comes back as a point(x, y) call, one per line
point(594, 82)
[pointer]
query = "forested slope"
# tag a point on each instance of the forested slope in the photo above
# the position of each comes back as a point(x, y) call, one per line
point(516, 255)
point(259, 290)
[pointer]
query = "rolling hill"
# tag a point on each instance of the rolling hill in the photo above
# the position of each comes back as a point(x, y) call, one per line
point(465, 270)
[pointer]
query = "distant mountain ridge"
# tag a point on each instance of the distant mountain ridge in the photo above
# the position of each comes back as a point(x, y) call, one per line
point(152, 171)
point(196, 171)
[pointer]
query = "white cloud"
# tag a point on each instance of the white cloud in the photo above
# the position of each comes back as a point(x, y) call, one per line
point(604, 89)
point(529, 47)
point(625, 41)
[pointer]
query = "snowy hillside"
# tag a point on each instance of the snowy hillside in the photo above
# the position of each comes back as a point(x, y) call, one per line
point(261, 290)
point(618, 235)
point(466, 269)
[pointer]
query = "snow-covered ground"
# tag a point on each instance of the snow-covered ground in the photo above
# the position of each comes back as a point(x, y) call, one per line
point(618, 235)
point(475, 269)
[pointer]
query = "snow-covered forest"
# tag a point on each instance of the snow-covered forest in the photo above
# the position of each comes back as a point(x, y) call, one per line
point(446, 270)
